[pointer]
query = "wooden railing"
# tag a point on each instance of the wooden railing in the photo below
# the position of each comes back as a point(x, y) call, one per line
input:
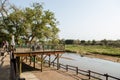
point(88, 73)
point(42, 47)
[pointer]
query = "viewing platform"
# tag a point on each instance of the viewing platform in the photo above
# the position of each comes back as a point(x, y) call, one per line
point(31, 56)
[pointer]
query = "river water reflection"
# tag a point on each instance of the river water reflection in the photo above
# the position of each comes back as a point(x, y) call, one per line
point(94, 64)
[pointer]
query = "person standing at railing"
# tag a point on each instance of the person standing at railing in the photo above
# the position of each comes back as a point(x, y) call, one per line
point(13, 43)
point(3, 45)
point(7, 45)
point(33, 46)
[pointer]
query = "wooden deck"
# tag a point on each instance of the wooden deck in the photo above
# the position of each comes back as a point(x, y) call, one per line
point(31, 55)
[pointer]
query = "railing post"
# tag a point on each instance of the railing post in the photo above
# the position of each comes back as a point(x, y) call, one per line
point(12, 70)
point(59, 65)
point(26, 58)
point(57, 61)
point(89, 73)
point(53, 63)
point(106, 75)
point(77, 70)
point(34, 61)
point(49, 60)
point(41, 62)
point(30, 60)
point(66, 67)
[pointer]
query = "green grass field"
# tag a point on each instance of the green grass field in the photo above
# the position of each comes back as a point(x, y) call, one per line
point(96, 49)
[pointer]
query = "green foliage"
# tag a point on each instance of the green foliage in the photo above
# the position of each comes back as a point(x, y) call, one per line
point(104, 42)
point(83, 42)
point(93, 42)
point(69, 41)
point(33, 22)
point(97, 49)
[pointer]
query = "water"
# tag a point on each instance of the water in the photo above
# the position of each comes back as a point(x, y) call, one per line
point(94, 64)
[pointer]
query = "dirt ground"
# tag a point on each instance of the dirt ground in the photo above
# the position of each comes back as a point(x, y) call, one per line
point(51, 73)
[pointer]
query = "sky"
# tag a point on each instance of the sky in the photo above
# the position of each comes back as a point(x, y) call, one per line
point(83, 19)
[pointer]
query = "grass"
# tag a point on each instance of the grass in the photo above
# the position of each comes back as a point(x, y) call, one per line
point(97, 49)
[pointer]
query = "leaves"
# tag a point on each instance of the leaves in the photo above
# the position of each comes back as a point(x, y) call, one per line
point(31, 22)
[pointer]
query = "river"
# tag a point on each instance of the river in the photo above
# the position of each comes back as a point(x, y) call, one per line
point(94, 64)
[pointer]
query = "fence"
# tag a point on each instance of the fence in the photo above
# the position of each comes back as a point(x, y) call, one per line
point(88, 73)
point(42, 47)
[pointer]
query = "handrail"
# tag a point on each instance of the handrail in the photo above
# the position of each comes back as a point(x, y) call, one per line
point(44, 47)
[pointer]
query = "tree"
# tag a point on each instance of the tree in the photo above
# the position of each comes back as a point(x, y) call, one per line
point(69, 41)
point(3, 19)
point(31, 23)
point(16, 24)
point(88, 42)
point(82, 42)
point(104, 42)
point(42, 23)
point(93, 42)
point(62, 41)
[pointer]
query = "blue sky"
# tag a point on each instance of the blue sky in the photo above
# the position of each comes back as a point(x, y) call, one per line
point(83, 19)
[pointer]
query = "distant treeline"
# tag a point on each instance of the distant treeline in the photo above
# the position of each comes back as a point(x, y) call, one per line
point(114, 43)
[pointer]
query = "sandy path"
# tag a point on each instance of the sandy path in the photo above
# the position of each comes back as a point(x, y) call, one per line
point(51, 73)
point(5, 67)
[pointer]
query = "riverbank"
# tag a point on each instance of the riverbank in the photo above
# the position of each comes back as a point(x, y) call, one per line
point(102, 52)
point(105, 57)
